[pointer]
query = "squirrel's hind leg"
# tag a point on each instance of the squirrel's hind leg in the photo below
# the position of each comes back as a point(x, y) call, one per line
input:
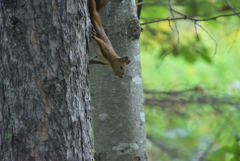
point(95, 60)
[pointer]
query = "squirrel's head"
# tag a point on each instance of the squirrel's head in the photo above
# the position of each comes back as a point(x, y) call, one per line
point(119, 66)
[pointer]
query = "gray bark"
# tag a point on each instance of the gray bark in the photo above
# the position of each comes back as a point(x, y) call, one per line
point(117, 104)
point(44, 93)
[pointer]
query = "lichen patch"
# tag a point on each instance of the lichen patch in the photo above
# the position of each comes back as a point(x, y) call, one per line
point(44, 131)
point(34, 38)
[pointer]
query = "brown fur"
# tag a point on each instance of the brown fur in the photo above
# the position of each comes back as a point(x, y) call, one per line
point(103, 47)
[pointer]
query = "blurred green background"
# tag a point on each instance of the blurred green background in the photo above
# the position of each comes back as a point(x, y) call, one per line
point(191, 81)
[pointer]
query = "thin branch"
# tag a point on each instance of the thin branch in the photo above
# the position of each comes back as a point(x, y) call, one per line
point(139, 8)
point(195, 25)
point(169, 22)
point(191, 18)
point(172, 152)
point(216, 45)
point(140, 3)
point(158, 98)
point(232, 8)
point(210, 146)
point(164, 56)
point(194, 20)
point(171, 9)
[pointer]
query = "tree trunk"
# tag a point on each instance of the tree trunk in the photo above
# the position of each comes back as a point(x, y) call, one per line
point(44, 93)
point(118, 110)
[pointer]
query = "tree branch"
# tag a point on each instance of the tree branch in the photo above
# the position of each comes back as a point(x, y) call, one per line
point(139, 4)
point(191, 18)
point(232, 8)
point(188, 96)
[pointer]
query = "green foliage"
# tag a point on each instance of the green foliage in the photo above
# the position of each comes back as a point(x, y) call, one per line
point(226, 153)
point(188, 131)
point(183, 38)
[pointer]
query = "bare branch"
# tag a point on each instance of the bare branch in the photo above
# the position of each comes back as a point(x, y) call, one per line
point(188, 96)
point(195, 25)
point(216, 45)
point(194, 20)
point(210, 145)
point(140, 4)
point(173, 152)
point(171, 9)
point(191, 18)
point(232, 8)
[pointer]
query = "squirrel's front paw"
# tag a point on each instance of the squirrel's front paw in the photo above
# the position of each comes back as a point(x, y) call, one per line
point(94, 33)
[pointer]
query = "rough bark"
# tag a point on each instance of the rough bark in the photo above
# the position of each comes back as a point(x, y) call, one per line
point(117, 104)
point(44, 93)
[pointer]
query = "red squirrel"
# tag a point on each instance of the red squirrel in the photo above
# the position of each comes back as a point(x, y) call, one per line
point(102, 46)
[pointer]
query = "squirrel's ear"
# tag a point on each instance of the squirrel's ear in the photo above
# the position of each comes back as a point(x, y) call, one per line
point(128, 62)
point(124, 59)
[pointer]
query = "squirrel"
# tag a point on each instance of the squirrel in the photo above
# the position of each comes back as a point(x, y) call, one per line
point(102, 46)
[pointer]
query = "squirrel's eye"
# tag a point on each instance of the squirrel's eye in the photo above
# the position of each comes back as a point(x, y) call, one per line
point(121, 67)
